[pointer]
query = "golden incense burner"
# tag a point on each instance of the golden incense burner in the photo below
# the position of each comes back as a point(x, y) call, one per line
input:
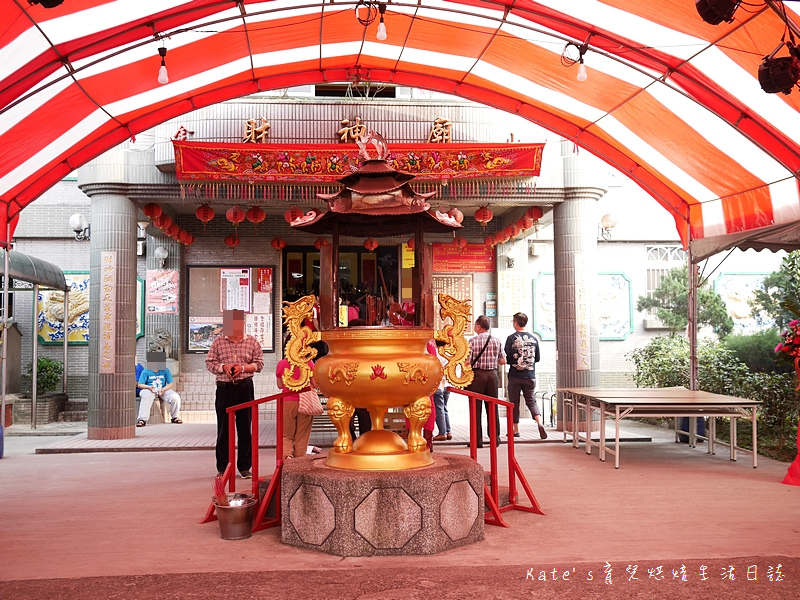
point(378, 368)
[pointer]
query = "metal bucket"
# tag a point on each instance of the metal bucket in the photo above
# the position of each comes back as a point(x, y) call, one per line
point(236, 522)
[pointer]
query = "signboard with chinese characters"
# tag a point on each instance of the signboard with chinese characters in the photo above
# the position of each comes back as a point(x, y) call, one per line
point(472, 258)
point(108, 312)
point(260, 327)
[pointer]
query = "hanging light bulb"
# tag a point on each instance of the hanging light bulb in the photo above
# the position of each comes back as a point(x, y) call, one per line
point(381, 26)
point(163, 76)
point(582, 75)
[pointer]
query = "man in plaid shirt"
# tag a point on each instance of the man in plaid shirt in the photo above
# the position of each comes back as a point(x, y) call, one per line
point(485, 354)
point(234, 357)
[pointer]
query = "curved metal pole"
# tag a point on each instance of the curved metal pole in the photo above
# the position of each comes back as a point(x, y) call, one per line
point(34, 355)
point(5, 328)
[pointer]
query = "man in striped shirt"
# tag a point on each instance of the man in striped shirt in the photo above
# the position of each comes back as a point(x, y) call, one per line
point(485, 354)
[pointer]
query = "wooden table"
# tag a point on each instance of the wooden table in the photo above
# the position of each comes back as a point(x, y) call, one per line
point(621, 403)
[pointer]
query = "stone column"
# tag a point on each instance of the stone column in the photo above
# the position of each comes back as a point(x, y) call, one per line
point(575, 251)
point(112, 318)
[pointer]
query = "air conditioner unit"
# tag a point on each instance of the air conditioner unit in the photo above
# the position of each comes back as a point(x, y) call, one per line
point(537, 249)
point(653, 322)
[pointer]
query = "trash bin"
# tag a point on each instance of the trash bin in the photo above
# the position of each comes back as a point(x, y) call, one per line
point(683, 425)
point(236, 520)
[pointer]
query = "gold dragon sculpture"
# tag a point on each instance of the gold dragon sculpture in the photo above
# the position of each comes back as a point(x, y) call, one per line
point(456, 347)
point(298, 349)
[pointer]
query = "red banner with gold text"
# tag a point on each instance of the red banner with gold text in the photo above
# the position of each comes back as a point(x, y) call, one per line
point(262, 163)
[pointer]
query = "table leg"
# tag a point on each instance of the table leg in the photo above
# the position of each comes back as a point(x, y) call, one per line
point(733, 437)
point(712, 434)
point(601, 451)
point(588, 426)
point(755, 439)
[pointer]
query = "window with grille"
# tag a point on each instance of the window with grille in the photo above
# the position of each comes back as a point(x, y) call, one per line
point(660, 261)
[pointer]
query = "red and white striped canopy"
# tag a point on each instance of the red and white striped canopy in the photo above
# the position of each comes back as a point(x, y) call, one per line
point(671, 101)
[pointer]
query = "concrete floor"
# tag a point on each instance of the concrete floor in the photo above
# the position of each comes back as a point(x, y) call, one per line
point(127, 517)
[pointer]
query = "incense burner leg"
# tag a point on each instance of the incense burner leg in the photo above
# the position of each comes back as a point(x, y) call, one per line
point(417, 413)
point(340, 413)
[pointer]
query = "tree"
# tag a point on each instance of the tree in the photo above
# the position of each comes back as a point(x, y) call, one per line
point(778, 288)
point(671, 301)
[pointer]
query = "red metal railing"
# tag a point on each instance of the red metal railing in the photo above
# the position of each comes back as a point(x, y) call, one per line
point(492, 492)
point(229, 476)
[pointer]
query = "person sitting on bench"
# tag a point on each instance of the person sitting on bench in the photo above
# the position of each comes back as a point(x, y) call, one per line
point(156, 382)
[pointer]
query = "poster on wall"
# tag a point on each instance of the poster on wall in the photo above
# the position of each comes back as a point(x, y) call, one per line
point(736, 290)
point(234, 292)
point(162, 292)
point(615, 306)
point(50, 311)
point(203, 331)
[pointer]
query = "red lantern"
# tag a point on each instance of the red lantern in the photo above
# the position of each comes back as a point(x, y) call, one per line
point(152, 210)
point(232, 241)
point(183, 237)
point(292, 214)
point(370, 244)
point(535, 213)
point(162, 222)
point(515, 230)
point(489, 240)
point(459, 242)
point(235, 215)
point(410, 243)
point(173, 230)
point(456, 214)
point(502, 236)
point(525, 223)
point(320, 242)
point(483, 215)
point(278, 243)
point(189, 239)
point(255, 215)
point(205, 213)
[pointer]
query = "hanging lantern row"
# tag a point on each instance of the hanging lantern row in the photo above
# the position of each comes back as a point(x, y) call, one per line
point(531, 217)
point(167, 225)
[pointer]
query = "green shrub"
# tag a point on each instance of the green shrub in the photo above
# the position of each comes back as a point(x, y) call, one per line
point(757, 351)
point(48, 374)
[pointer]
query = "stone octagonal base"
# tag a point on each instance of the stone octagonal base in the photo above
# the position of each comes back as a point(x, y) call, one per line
point(379, 513)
